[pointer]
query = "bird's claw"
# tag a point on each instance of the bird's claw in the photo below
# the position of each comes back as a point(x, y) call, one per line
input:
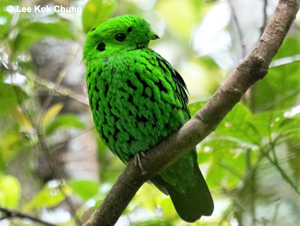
point(139, 163)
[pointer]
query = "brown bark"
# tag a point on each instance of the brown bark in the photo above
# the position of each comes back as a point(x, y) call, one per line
point(252, 68)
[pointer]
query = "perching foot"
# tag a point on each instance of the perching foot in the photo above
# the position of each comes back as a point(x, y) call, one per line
point(139, 163)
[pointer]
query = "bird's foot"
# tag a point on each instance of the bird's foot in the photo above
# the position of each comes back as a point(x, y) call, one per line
point(139, 163)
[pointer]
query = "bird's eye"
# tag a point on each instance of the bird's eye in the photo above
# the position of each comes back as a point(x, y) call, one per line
point(120, 37)
point(129, 29)
point(101, 46)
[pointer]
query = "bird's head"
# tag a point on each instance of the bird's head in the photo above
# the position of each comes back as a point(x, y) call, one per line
point(116, 35)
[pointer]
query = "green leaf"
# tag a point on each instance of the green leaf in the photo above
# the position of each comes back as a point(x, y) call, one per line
point(51, 113)
point(98, 203)
point(247, 129)
point(280, 88)
point(236, 124)
point(85, 189)
point(10, 96)
point(12, 142)
point(290, 128)
point(157, 222)
point(267, 123)
point(10, 191)
point(285, 50)
point(24, 124)
point(2, 163)
point(194, 107)
point(4, 4)
point(64, 122)
point(5, 19)
point(227, 163)
point(96, 12)
point(203, 157)
point(36, 31)
point(3, 73)
point(294, 153)
point(49, 197)
point(145, 196)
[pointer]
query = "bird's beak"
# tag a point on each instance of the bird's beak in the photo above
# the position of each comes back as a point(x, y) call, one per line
point(155, 36)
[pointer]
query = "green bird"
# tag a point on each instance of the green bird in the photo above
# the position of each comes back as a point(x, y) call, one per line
point(137, 99)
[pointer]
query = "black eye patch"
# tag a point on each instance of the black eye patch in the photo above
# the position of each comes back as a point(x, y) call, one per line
point(120, 37)
point(101, 46)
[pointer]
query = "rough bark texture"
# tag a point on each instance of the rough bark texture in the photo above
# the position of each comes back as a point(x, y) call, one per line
point(250, 70)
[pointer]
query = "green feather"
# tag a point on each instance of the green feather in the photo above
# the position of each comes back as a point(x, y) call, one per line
point(137, 99)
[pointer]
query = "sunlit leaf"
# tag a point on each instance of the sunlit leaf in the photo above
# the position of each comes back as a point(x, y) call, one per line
point(167, 207)
point(10, 96)
point(98, 203)
point(267, 122)
point(227, 160)
point(51, 114)
point(294, 153)
point(194, 107)
point(236, 124)
point(11, 143)
point(64, 122)
point(96, 12)
point(22, 119)
point(36, 31)
point(3, 74)
point(290, 128)
point(280, 89)
point(183, 25)
point(49, 197)
point(5, 19)
point(84, 188)
point(157, 222)
point(285, 50)
point(148, 196)
point(203, 157)
point(10, 191)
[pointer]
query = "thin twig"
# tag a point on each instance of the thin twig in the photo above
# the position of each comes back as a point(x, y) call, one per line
point(8, 214)
point(281, 171)
point(230, 169)
point(252, 90)
point(59, 79)
point(250, 182)
point(38, 128)
point(275, 213)
point(239, 29)
point(57, 145)
point(42, 144)
point(238, 203)
point(265, 17)
point(51, 87)
point(284, 175)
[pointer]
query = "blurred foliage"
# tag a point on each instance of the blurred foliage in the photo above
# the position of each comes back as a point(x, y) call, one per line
point(49, 196)
point(251, 162)
point(95, 12)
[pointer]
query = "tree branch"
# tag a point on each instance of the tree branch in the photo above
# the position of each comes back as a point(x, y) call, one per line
point(250, 70)
point(16, 214)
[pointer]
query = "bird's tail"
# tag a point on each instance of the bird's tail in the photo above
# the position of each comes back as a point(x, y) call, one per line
point(196, 200)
